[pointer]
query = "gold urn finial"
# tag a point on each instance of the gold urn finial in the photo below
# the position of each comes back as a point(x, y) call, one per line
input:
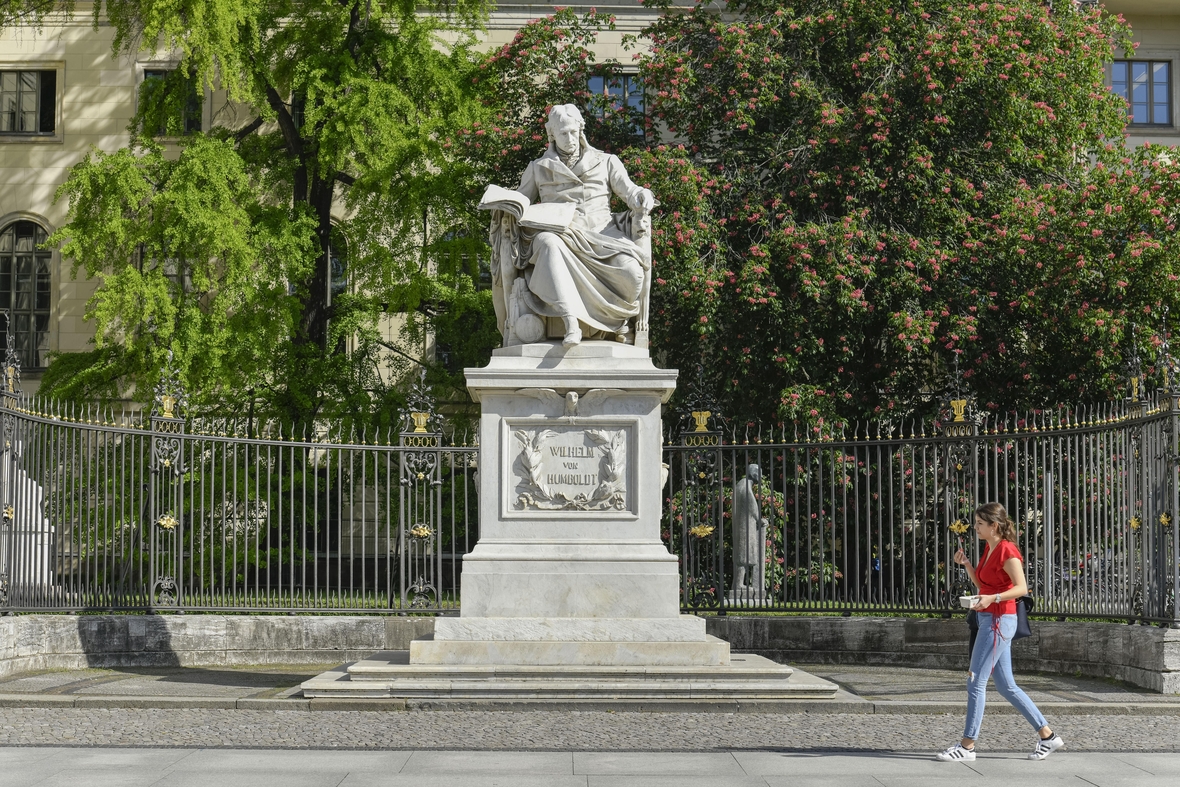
point(420, 420)
point(702, 419)
point(10, 376)
point(169, 403)
point(958, 407)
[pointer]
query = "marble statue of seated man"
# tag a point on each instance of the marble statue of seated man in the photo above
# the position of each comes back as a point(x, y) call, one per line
point(595, 274)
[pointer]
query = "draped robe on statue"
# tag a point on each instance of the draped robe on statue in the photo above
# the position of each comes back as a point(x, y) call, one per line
point(592, 271)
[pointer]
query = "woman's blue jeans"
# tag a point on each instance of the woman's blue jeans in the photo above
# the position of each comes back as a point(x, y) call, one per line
point(993, 651)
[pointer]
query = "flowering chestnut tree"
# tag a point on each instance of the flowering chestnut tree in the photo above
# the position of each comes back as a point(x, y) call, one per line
point(867, 201)
point(911, 187)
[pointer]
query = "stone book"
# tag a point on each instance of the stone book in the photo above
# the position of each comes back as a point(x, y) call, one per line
point(551, 216)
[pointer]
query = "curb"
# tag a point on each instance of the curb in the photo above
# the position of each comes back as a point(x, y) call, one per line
point(827, 707)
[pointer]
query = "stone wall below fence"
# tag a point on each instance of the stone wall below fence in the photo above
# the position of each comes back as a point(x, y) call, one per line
point(1146, 656)
point(35, 642)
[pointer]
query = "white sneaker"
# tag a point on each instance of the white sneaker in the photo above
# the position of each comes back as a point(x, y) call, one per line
point(956, 753)
point(1047, 746)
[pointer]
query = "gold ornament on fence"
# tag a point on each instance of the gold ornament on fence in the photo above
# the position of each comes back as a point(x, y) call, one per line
point(1136, 523)
point(959, 526)
point(702, 420)
point(701, 531)
point(9, 513)
point(167, 522)
point(1166, 519)
point(421, 532)
point(420, 420)
point(959, 407)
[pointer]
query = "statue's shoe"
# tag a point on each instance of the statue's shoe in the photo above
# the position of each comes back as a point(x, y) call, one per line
point(572, 338)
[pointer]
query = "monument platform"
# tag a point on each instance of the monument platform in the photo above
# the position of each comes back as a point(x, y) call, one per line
point(391, 674)
point(570, 593)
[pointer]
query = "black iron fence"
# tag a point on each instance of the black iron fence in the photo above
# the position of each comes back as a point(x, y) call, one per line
point(158, 510)
point(868, 518)
point(161, 509)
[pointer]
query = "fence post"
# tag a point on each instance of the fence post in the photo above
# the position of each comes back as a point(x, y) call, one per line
point(959, 419)
point(702, 488)
point(1139, 522)
point(1171, 549)
point(166, 517)
point(420, 500)
point(10, 395)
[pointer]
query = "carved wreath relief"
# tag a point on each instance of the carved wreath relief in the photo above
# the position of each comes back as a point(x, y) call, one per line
point(571, 469)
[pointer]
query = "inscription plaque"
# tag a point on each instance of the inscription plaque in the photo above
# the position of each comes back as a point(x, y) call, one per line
point(569, 468)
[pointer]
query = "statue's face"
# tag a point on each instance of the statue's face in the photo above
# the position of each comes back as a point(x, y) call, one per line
point(755, 473)
point(567, 136)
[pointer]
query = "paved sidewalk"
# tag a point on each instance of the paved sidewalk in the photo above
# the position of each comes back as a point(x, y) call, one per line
point(58, 767)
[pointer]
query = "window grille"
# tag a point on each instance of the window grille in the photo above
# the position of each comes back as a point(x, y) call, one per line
point(28, 100)
point(25, 290)
point(156, 87)
point(1146, 86)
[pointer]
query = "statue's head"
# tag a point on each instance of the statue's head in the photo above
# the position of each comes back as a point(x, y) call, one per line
point(754, 473)
point(564, 127)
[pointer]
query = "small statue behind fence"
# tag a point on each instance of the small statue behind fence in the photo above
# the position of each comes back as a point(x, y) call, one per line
point(749, 540)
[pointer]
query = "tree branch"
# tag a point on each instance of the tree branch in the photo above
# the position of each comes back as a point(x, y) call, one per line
point(247, 130)
point(286, 123)
point(347, 180)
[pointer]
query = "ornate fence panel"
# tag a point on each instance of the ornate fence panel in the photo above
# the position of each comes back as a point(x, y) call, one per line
point(166, 511)
point(868, 518)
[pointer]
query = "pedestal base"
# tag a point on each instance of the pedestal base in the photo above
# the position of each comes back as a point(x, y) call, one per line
point(746, 677)
point(709, 652)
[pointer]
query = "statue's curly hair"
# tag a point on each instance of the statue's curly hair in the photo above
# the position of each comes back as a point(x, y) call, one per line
point(561, 112)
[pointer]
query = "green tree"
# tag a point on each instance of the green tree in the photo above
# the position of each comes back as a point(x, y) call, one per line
point(913, 187)
point(222, 246)
point(29, 12)
point(862, 197)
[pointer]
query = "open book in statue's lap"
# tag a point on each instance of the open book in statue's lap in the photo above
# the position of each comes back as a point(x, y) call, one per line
point(557, 250)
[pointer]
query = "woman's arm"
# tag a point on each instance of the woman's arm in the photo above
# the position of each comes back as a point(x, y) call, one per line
point(961, 559)
point(1015, 571)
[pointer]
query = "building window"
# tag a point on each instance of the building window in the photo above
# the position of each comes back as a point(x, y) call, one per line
point(337, 263)
point(28, 102)
point(1146, 86)
point(24, 291)
point(176, 99)
point(622, 93)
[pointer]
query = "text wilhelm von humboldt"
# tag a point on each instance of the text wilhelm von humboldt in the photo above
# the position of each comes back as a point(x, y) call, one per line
point(572, 452)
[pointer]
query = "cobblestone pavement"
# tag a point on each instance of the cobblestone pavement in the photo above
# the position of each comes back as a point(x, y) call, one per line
point(500, 730)
point(563, 731)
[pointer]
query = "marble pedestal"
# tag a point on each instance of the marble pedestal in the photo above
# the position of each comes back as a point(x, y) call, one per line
point(569, 592)
point(570, 568)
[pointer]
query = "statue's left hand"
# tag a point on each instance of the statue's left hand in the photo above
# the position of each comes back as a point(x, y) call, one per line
point(647, 200)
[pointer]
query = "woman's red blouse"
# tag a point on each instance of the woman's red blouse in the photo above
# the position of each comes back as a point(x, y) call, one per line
point(994, 579)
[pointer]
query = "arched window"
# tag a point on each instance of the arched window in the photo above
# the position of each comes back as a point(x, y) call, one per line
point(24, 291)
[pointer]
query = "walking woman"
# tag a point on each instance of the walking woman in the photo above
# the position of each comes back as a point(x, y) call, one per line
point(1000, 581)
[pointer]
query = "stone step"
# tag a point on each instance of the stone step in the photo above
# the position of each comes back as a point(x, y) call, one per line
point(708, 651)
point(389, 674)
